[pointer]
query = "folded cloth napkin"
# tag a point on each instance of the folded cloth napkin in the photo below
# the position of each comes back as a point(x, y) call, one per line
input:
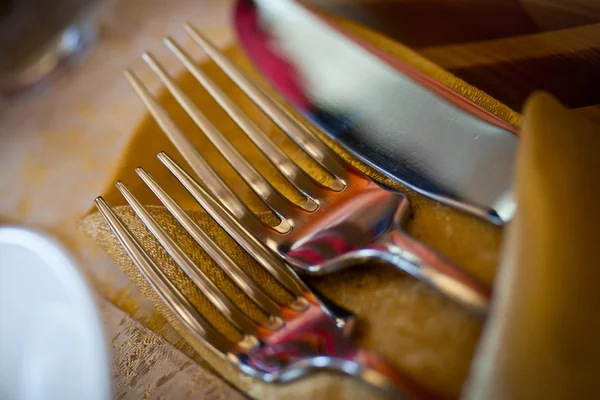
point(417, 329)
point(541, 340)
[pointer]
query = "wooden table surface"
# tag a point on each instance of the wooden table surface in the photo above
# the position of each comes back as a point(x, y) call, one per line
point(507, 48)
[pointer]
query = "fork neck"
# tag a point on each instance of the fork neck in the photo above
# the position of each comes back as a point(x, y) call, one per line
point(432, 268)
point(315, 342)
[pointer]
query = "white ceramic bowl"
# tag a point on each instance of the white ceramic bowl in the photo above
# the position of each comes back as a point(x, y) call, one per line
point(51, 339)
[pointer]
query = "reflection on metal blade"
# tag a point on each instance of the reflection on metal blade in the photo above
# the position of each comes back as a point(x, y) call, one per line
point(393, 118)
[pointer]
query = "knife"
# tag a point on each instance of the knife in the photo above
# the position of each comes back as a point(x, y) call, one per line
point(389, 115)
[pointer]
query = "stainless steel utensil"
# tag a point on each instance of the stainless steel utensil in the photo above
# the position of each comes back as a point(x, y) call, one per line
point(394, 118)
point(290, 342)
point(338, 226)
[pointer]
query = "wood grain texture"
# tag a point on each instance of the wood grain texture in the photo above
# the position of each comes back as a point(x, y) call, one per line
point(507, 48)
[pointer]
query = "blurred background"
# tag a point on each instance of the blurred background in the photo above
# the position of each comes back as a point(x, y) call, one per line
point(37, 37)
point(507, 48)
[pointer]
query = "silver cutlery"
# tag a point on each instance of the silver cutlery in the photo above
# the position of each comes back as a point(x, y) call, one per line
point(290, 341)
point(340, 225)
point(396, 119)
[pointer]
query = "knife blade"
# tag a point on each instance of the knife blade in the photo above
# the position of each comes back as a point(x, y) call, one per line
point(395, 119)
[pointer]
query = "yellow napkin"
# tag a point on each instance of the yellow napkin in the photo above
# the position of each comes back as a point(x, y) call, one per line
point(542, 339)
point(417, 329)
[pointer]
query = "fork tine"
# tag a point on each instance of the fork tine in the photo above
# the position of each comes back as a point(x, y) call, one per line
point(291, 126)
point(236, 229)
point(233, 314)
point(199, 165)
point(160, 282)
point(237, 274)
point(294, 174)
point(263, 189)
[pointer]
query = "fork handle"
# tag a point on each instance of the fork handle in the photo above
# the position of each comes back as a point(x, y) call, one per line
point(430, 267)
point(378, 372)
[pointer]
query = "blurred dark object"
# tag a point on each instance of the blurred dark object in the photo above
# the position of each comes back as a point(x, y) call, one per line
point(508, 48)
point(37, 37)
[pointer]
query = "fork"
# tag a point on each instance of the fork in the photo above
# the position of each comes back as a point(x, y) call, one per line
point(340, 224)
point(294, 340)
